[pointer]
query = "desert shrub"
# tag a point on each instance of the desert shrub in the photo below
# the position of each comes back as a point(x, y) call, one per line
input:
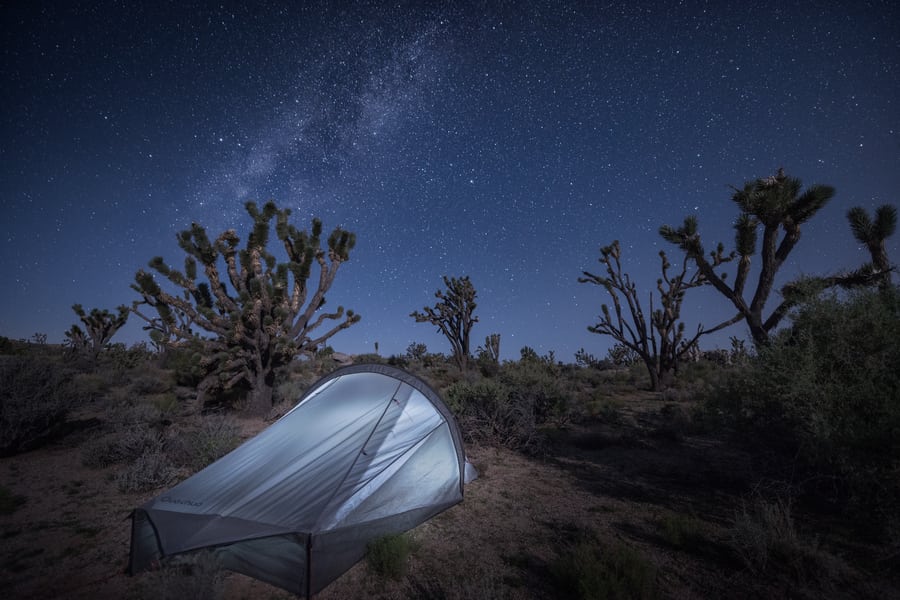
point(416, 351)
point(763, 531)
point(121, 358)
point(592, 572)
point(35, 397)
point(90, 386)
point(166, 404)
point(121, 447)
point(487, 414)
point(605, 407)
point(827, 391)
point(214, 437)
point(370, 358)
point(387, 556)
point(151, 470)
point(536, 384)
point(674, 422)
point(398, 360)
point(290, 390)
point(152, 381)
point(765, 537)
point(11, 347)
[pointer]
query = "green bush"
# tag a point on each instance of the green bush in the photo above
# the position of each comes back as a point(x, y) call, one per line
point(826, 393)
point(589, 571)
point(387, 556)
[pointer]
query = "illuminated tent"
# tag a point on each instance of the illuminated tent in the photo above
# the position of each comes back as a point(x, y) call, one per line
point(370, 450)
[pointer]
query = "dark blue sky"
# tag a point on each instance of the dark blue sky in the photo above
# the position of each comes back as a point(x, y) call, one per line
point(503, 142)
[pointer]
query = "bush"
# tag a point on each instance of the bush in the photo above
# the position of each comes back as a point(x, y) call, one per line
point(591, 572)
point(122, 358)
point(536, 384)
point(151, 382)
point(151, 470)
point(215, 436)
point(766, 539)
point(124, 447)
point(387, 556)
point(35, 398)
point(488, 415)
point(827, 390)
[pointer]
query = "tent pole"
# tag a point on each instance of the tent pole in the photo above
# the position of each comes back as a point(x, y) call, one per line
point(309, 566)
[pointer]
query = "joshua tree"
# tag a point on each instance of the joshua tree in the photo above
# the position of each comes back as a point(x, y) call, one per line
point(774, 203)
point(872, 234)
point(101, 326)
point(660, 342)
point(453, 316)
point(491, 348)
point(268, 314)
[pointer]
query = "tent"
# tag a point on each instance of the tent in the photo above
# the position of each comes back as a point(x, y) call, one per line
point(370, 450)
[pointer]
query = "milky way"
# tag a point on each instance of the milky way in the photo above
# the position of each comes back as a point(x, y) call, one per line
point(503, 142)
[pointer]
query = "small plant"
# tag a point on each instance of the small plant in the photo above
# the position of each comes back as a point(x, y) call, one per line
point(155, 383)
point(606, 408)
point(216, 436)
point(35, 397)
point(589, 571)
point(153, 469)
point(765, 537)
point(124, 447)
point(387, 556)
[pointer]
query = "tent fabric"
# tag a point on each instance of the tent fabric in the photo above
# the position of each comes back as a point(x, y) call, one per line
point(368, 451)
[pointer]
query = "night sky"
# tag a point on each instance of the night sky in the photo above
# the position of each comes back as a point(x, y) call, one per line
point(501, 141)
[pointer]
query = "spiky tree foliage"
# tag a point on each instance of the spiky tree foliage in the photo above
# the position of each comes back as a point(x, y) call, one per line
point(659, 341)
point(453, 316)
point(100, 326)
point(491, 348)
point(872, 233)
point(262, 313)
point(777, 206)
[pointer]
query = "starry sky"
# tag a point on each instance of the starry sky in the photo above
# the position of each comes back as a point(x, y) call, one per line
point(504, 141)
